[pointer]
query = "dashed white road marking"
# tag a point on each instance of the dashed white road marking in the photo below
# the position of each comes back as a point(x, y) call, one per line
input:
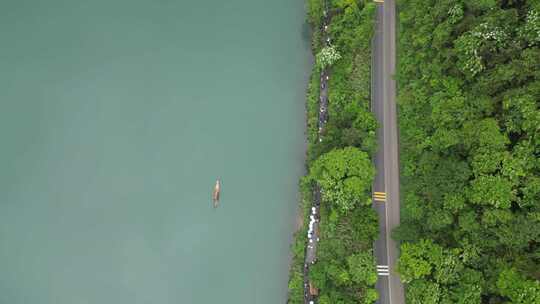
point(383, 270)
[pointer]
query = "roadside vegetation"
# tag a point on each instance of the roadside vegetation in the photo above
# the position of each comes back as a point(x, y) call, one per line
point(341, 163)
point(469, 92)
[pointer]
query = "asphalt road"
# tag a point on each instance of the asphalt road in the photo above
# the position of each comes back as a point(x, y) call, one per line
point(386, 184)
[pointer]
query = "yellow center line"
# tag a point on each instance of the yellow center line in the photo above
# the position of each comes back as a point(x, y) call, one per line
point(379, 196)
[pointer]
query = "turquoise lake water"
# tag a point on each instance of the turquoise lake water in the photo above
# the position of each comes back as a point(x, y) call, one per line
point(117, 117)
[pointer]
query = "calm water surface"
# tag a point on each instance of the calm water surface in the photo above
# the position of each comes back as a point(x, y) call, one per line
point(116, 117)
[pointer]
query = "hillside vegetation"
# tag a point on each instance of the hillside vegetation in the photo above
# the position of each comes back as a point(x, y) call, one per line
point(341, 163)
point(469, 91)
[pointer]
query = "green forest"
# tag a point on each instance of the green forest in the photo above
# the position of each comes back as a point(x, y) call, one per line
point(468, 104)
point(469, 91)
point(341, 163)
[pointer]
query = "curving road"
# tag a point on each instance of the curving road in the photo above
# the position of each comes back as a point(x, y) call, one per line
point(386, 184)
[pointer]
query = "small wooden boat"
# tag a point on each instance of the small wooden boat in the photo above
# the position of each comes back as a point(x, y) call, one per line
point(215, 194)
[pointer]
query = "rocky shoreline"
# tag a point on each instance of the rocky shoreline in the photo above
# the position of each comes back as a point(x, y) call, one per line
point(310, 293)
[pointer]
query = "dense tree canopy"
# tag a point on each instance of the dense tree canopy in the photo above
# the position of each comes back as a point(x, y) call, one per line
point(469, 97)
point(326, 57)
point(340, 163)
point(345, 176)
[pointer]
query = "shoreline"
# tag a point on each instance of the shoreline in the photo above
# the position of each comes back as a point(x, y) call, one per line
point(302, 287)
